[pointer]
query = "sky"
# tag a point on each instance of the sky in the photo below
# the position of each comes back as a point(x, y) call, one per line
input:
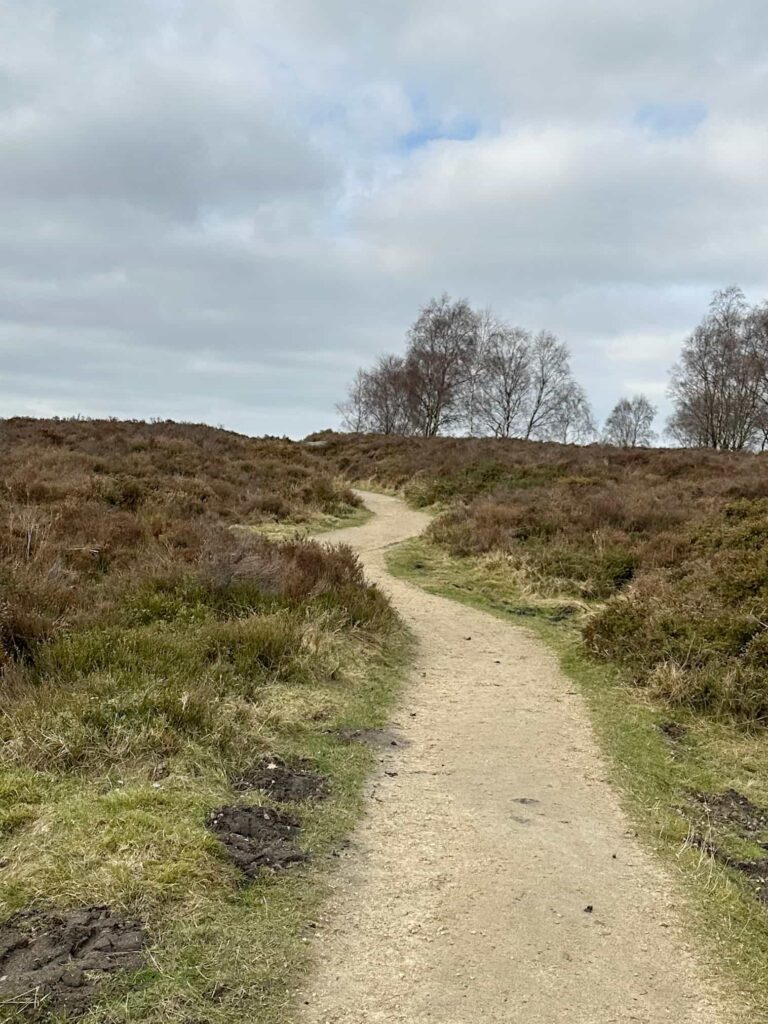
point(218, 211)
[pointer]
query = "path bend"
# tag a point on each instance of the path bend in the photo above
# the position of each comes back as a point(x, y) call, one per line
point(489, 831)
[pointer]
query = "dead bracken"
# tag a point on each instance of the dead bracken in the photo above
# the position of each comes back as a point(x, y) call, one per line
point(54, 961)
point(282, 780)
point(257, 837)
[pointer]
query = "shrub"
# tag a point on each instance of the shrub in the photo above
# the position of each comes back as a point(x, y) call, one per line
point(695, 630)
point(130, 611)
point(97, 510)
point(153, 647)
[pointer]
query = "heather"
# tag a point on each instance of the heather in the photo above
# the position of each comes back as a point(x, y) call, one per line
point(664, 548)
point(155, 646)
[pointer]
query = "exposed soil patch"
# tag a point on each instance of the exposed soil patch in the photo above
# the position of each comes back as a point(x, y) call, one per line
point(283, 781)
point(756, 871)
point(673, 731)
point(257, 837)
point(734, 809)
point(54, 961)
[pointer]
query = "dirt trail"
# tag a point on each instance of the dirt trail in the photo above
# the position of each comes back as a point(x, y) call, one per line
point(495, 877)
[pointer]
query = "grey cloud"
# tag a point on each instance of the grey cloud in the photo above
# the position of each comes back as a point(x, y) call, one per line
point(209, 211)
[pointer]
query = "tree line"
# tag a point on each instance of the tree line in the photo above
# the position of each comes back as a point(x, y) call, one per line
point(468, 371)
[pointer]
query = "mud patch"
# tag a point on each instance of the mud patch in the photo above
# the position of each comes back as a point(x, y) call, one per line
point(282, 781)
point(55, 961)
point(257, 837)
point(756, 873)
point(564, 612)
point(733, 809)
point(673, 731)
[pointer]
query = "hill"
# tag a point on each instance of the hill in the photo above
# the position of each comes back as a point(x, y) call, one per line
point(667, 547)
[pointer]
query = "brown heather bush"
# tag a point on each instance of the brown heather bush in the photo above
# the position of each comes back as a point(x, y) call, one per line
point(671, 545)
point(135, 609)
point(94, 509)
point(696, 630)
point(586, 518)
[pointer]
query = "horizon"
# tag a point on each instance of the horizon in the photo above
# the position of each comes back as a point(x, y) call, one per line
point(659, 445)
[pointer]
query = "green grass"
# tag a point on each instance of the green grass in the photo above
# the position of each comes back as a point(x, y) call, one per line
point(321, 523)
point(112, 760)
point(654, 775)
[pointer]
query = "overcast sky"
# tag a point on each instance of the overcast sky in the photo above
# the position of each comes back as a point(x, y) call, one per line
point(218, 209)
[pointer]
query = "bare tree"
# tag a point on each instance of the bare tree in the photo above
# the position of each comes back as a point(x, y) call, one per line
point(439, 363)
point(630, 424)
point(378, 399)
point(354, 409)
point(469, 398)
point(757, 334)
point(716, 385)
point(550, 380)
point(503, 377)
point(387, 397)
point(572, 421)
point(464, 369)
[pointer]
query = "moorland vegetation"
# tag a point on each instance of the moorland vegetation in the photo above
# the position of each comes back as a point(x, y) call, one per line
point(667, 548)
point(157, 656)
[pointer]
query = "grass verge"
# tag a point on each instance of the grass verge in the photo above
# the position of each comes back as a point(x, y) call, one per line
point(81, 827)
point(659, 763)
point(320, 523)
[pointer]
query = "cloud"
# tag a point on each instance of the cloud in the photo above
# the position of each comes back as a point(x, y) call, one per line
point(217, 211)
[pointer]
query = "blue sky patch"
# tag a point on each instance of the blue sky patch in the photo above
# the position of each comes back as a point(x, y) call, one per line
point(671, 120)
point(457, 131)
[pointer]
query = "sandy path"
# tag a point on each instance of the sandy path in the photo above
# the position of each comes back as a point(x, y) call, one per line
point(489, 831)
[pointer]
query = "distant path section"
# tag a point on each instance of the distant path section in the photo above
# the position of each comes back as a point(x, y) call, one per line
point(494, 877)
